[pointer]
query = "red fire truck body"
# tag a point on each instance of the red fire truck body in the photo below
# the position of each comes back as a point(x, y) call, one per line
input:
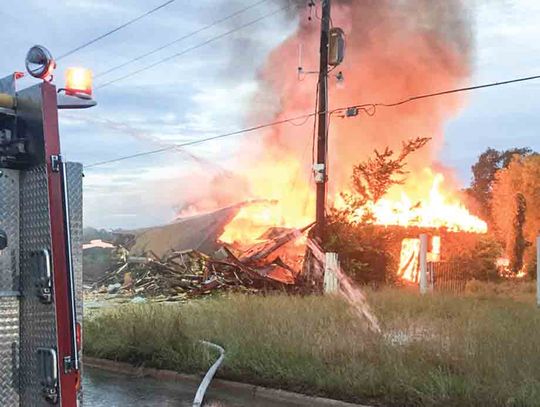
point(40, 253)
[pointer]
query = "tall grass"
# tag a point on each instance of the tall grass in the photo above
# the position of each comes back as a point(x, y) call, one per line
point(435, 350)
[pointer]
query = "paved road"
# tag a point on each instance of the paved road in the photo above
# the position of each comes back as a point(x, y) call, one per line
point(103, 388)
point(106, 389)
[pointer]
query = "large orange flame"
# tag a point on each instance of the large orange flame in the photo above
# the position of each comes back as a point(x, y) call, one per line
point(394, 50)
point(435, 208)
point(425, 204)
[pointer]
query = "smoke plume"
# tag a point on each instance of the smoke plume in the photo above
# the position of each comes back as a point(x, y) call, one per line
point(394, 49)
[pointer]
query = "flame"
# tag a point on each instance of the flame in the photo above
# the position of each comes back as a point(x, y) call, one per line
point(421, 202)
point(436, 208)
point(435, 254)
point(408, 260)
point(503, 264)
point(251, 222)
point(394, 49)
point(282, 199)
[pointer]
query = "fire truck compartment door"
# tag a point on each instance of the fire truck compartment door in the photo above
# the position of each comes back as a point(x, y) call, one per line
point(9, 289)
point(28, 334)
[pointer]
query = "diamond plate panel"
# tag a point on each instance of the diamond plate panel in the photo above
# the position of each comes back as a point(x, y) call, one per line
point(74, 184)
point(9, 351)
point(75, 199)
point(38, 321)
point(9, 281)
point(9, 222)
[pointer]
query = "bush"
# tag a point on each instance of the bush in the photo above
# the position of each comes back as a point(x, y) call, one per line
point(480, 260)
point(96, 261)
point(530, 262)
point(365, 251)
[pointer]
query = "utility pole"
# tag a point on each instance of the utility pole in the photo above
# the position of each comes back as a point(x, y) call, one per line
point(320, 168)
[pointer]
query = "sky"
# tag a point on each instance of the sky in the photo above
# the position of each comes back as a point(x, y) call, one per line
point(207, 90)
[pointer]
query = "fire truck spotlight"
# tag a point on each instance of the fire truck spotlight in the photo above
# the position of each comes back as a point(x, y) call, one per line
point(79, 82)
point(40, 63)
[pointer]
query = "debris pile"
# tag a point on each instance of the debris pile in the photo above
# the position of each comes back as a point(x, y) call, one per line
point(179, 275)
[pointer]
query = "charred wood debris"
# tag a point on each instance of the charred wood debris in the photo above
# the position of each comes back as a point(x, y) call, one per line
point(181, 275)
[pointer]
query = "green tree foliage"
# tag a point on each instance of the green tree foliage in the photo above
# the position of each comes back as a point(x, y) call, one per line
point(484, 171)
point(364, 251)
point(516, 208)
point(479, 260)
point(96, 262)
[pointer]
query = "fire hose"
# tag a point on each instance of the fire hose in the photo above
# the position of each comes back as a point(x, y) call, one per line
point(7, 101)
point(201, 391)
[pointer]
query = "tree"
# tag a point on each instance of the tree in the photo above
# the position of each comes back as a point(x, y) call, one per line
point(484, 171)
point(371, 179)
point(516, 242)
point(515, 206)
point(364, 247)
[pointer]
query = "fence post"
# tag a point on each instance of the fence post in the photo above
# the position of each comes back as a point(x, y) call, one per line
point(538, 270)
point(331, 264)
point(423, 263)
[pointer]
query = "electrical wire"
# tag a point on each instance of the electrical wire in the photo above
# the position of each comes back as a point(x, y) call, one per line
point(180, 39)
point(199, 141)
point(430, 95)
point(99, 38)
point(319, 17)
point(364, 107)
point(185, 51)
point(304, 121)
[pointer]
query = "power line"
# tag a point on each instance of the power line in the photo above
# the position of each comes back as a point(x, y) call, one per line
point(441, 93)
point(364, 107)
point(99, 38)
point(185, 51)
point(199, 141)
point(182, 38)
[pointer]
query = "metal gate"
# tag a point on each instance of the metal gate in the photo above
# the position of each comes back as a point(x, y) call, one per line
point(447, 276)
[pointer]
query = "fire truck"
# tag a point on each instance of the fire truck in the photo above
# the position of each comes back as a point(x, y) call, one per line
point(40, 239)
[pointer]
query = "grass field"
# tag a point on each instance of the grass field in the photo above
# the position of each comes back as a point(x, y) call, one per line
point(480, 349)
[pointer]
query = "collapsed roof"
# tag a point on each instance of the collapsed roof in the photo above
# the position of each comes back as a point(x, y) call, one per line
point(200, 233)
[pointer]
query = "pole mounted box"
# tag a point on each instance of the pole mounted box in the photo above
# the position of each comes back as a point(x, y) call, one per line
point(336, 46)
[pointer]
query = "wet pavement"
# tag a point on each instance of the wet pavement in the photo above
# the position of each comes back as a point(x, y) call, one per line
point(107, 389)
point(102, 388)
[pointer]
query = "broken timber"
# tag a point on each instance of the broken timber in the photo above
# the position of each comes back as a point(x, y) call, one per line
point(183, 274)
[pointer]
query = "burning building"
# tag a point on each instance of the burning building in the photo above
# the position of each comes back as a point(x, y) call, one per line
point(395, 49)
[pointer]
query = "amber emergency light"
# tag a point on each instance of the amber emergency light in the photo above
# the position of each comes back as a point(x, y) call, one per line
point(79, 82)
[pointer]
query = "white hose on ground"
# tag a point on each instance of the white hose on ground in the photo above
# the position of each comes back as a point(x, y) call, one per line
point(201, 391)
